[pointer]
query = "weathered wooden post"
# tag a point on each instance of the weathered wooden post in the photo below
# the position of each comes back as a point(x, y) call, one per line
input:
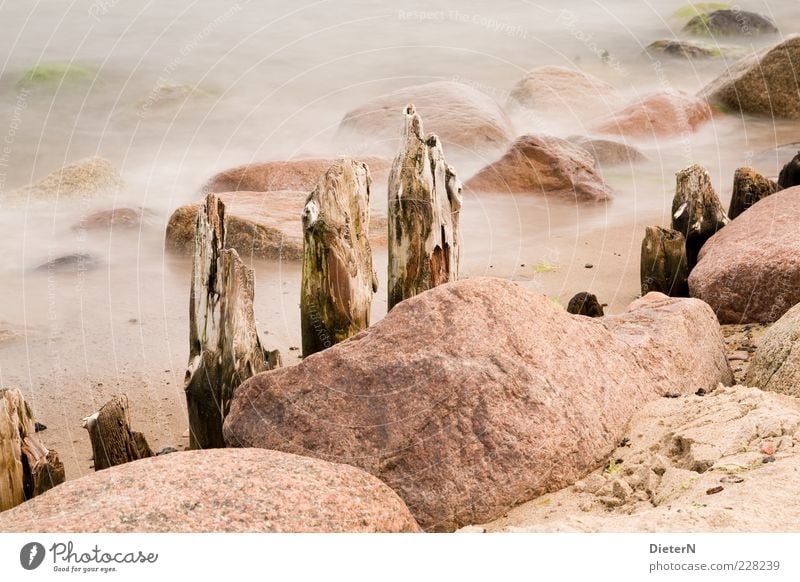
point(338, 279)
point(585, 303)
point(113, 441)
point(424, 205)
point(224, 346)
point(27, 467)
point(663, 266)
point(790, 173)
point(748, 188)
point(696, 211)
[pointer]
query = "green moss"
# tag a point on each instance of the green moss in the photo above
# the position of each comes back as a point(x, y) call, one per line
point(544, 268)
point(556, 302)
point(698, 9)
point(698, 26)
point(54, 73)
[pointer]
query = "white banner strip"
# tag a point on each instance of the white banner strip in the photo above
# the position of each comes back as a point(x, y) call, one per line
point(484, 557)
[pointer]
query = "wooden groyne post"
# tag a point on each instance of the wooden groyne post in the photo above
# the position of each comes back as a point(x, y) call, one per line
point(424, 206)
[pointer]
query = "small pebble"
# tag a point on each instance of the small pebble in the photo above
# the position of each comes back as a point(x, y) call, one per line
point(293, 348)
point(714, 490)
point(768, 448)
point(588, 265)
point(39, 427)
point(701, 392)
point(769, 459)
point(672, 395)
point(731, 479)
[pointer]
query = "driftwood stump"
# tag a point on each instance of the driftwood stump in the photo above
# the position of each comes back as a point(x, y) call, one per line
point(338, 279)
point(27, 467)
point(790, 173)
point(113, 441)
point(748, 188)
point(223, 340)
point(585, 303)
point(696, 210)
point(424, 205)
point(663, 265)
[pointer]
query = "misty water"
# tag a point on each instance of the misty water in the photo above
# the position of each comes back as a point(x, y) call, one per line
point(273, 81)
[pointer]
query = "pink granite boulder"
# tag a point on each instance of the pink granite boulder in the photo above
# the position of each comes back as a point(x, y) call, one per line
point(750, 270)
point(479, 394)
point(544, 166)
point(217, 490)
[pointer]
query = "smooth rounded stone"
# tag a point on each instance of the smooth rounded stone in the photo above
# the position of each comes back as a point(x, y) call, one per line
point(690, 49)
point(217, 490)
point(113, 219)
point(790, 173)
point(466, 120)
point(775, 365)
point(607, 152)
point(302, 175)
point(170, 96)
point(71, 263)
point(545, 166)
point(566, 90)
point(90, 177)
point(749, 271)
point(761, 84)
point(479, 394)
point(262, 225)
point(661, 114)
point(729, 22)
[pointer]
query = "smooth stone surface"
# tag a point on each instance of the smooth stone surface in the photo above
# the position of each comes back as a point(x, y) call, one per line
point(217, 490)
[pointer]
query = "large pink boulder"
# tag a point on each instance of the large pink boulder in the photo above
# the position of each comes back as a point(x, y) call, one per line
point(750, 270)
point(261, 225)
point(466, 120)
point(544, 166)
point(662, 114)
point(303, 174)
point(564, 90)
point(217, 490)
point(478, 395)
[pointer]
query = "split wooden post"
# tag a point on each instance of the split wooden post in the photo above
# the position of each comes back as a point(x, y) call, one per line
point(338, 280)
point(224, 349)
point(424, 206)
point(27, 467)
point(113, 441)
point(663, 266)
point(748, 188)
point(696, 210)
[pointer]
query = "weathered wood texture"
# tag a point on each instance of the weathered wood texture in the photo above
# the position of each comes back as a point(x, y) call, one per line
point(27, 467)
point(663, 266)
point(113, 441)
point(696, 210)
point(790, 173)
point(338, 280)
point(585, 303)
point(424, 206)
point(748, 188)
point(224, 348)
